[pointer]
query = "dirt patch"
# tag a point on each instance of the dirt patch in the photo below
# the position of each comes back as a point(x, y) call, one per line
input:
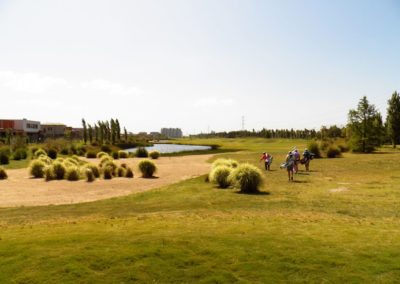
point(339, 189)
point(21, 190)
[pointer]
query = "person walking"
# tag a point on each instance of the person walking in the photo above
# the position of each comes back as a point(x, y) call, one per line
point(296, 156)
point(267, 158)
point(290, 161)
point(307, 157)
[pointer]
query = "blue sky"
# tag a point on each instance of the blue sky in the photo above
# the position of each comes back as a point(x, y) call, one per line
point(197, 65)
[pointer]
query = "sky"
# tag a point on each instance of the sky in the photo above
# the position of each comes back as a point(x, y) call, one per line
point(198, 65)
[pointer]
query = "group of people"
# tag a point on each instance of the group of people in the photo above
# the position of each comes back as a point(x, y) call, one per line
point(292, 161)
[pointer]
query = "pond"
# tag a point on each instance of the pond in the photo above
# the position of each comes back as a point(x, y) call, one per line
point(173, 148)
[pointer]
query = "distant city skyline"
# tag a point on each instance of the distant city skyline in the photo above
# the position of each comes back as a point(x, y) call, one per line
point(197, 65)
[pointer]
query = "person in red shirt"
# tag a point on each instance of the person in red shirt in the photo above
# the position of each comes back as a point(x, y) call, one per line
point(267, 158)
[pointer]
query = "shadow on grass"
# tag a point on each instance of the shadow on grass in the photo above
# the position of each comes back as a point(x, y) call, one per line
point(254, 193)
point(153, 177)
point(300, 181)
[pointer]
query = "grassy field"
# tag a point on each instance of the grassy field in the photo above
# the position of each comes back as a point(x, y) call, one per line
point(338, 223)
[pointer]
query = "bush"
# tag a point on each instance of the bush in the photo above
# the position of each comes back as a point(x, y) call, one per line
point(141, 152)
point(225, 162)
point(3, 173)
point(20, 154)
point(220, 175)
point(124, 165)
point(314, 149)
point(106, 148)
point(39, 152)
point(52, 153)
point(72, 173)
point(154, 154)
point(112, 165)
point(59, 170)
point(89, 175)
point(64, 151)
point(123, 154)
point(108, 172)
point(95, 169)
point(100, 155)
point(148, 168)
point(33, 150)
point(129, 173)
point(115, 155)
point(48, 173)
point(4, 158)
point(121, 172)
point(76, 158)
point(91, 155)
point(45, 159)
point(333, 152)
point(71, 162)
point(247, 177)
point(343, 148)
point(37, 168)
point(105, 160)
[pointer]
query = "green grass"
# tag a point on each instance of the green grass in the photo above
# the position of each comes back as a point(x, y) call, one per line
point(193, 232)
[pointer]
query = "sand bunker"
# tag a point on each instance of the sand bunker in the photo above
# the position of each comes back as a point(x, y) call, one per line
point(21, 190)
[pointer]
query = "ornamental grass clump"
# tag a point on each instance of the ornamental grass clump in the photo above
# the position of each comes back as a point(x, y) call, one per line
point(108, 172)
point(45, 159)
point(121, 172)
point(3, 173)
point(123, 154)
point(20, 154)
point(141, 152)
point(154, 155)
point(220, 175)
point(94, 169)
point(48, 173)
point(147, 168)
point(129, 173)
point(37, 168)
point(39, 152)
point(59, 170)
point(91, 155)
point(104, 160)
point(4, 158)
point(246, 177)
point(72, 173)
point(225, 162)
point(52, 153)
point(89, 175)
point(100, 155)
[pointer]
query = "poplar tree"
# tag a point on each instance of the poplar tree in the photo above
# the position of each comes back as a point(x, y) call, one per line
point(393, 119)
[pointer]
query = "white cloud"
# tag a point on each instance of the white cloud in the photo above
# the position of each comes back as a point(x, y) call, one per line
point(111, 88)
point(32, 82)
point(213, 102)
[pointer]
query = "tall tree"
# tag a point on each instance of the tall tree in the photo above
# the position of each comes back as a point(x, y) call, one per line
point(84, 130)
point(90, 133)
point(118, 129)
point(96, 133)
point(113, 131)
point(393, 119)
point(126, 135)
point(365, 127)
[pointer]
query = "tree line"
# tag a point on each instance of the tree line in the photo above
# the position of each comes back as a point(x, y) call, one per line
point(364, 131)
point(104, 132)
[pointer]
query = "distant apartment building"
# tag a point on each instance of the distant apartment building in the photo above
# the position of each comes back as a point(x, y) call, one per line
point(24, 126)
point(172, 132)
point(53, 130)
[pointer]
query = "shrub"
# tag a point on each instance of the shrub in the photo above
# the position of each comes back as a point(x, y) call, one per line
point(59, 170)
point(100, 155)
point(247, 177)
point(154, 154)
point(124, 165)
point(91, 155)
point(105, 160)
point(39, 152)
point(108, 172)
point(129, 173)
point(225, 162)
point(115, 155)
point(141, 152)
point(76, 158)
point(33, 150)
point(121, 172)
point(106, 148)
point(3, 173)
point(72, 173)
point(343, 148)
point(4, 158)
point(37, 168)
point(112, 165)
point(148, 168)
point(45, 159)
point(90, 177)
point(70, 162)
point(333, 152)
point(95, 169)
point(20, 154)
point(48, 173)
point(52, 153)
point(220, 175)
point(314, 148)
point(324, 145)
point(123, 154)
